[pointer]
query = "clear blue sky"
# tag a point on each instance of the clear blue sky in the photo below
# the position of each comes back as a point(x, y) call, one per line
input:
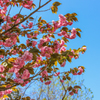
point(88, 21)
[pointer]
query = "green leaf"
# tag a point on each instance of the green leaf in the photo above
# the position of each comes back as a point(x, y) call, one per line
point(31, 70)
point(31, 18)
point(3, 79)
point(49, 70)
point(77, 87)
point(55, 63)
point(65, 29)
point(22, 46)
point(56, 3)
point(2, 52)
point(54, 9)
point(78, 34)
point(77, 29)
point(34, 50)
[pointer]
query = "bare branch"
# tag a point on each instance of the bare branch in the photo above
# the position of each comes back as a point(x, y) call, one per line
point(39, 3)
point(44, 10)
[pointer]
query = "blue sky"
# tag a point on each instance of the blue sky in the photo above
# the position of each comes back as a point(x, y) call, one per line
point(88, 21)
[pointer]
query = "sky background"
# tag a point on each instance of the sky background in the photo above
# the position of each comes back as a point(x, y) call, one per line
point(89, 22)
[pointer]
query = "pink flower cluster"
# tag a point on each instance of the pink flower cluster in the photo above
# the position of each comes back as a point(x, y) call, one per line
point(18, 64)
point(27, 56)
point(63, 22)
point(27, 4)
point(2, 93)
point(44, 73)
point(79, 73)
point(42, 41)
point(29, 26)
point(31, 36)
point(72, 36)
point(72, 93)
point(46, 51)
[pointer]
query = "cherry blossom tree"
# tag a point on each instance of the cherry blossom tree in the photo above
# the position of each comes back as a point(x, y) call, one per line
point(22, 63)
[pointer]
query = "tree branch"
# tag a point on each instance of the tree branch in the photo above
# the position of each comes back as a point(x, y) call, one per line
point(26, 17)
point(39, 3)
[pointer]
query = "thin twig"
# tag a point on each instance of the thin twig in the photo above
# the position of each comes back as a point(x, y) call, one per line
point(39, 3)
point(44, 10)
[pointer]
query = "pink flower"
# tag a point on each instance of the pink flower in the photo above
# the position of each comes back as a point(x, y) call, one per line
point(73, 34)
point(62, 49)
point(80, 71)
point(44, 73)
point(14, 17)
point(74, 73)
point(30, 25)
point(71, 93)
point(1, 56)
point(8, 91)
point(23, 26)
point(25, 74)
point(41, 79)
point(26, 82)
point(1, 42)
point(2, 68)
point(60, 34)
point(29, 36)
point(73, 54)
point(2, 75)
point(19, 63)
point(34, 43)
point(27, 56)
point(13, 52)
point(57, 74)
point(19, 80)
point(76, 90)
point(27, 42)
point(61, 81)
point(8, 43)
point(47, 83)
point(70, 23)
point(63, 32)
point(84, 48)
point(62, 43)
point(63, 64)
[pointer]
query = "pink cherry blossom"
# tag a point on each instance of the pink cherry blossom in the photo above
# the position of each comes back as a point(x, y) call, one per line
point(80, 71)
point(2, 68)
point(73, 34)
point(71, 93)
point(29, 36)
point(34, 43)
point(1, 56)
point(47, 83)
point(76, 90)
point(41, 79)
point(44, 73)
point(30, 25)
point(62, 43)
point(57, 74)
point(19, 80)
point(27, 56)
point(74, 73)
point(25, 74)
point(62, 49)
point(63, 64)
point(61, 81)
